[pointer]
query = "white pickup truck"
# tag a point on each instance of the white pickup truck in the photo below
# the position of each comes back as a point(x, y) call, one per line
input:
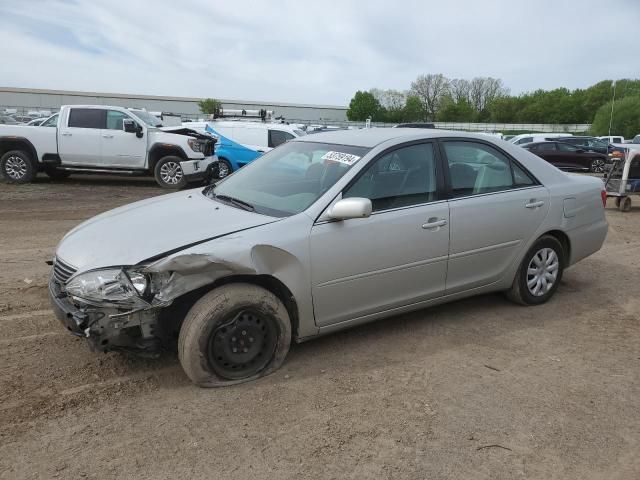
point(101, 139)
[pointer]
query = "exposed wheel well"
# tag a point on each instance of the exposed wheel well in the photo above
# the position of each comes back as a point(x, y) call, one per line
point(171, 317)
point(564, 241)
point(156, 153)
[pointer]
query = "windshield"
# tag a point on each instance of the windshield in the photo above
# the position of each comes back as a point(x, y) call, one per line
point(147, 118)
point(288, 179)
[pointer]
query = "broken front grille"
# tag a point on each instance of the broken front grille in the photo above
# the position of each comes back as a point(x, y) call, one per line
point(62, 271)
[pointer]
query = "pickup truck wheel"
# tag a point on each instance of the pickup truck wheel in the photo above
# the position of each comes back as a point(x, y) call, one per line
point(16, 167)
point(168, 173)
point(56, 174)
point(540, 272)
point(234, 334)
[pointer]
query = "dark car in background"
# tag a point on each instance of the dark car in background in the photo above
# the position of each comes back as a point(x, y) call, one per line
point(568, 157)
point(415, 125)
point(589, 144)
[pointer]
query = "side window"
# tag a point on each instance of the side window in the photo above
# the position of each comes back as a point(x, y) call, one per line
point(115, 119)
point(477, 168)
point(277, 137)
point(401, 178)
point(524, 140)
point(547, 146)
point(565, 147)
point(51, 121)
point(86, 118)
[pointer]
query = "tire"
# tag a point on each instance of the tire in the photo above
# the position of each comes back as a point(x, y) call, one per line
point(234, 334)
point(625, 204)
point(224, 168)
point(597, 165)
point(16, 166)
point(520, 291)
point(56, 174)
point(168, 173)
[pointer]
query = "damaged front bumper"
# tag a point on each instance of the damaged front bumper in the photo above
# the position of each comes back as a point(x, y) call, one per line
point(107, 328)
point(203, 169)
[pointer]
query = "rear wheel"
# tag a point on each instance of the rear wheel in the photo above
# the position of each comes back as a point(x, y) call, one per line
point(16, 167)
point(597, 165)
point(235, 333)
point(540, 272)
point(168, 173)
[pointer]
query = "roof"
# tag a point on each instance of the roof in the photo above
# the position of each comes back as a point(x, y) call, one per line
point(370, 137)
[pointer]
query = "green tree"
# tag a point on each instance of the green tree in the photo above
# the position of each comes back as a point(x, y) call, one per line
point(210, 106)
point(362, 106)
point(625, 120)
point(413, 110)
point(460, 111)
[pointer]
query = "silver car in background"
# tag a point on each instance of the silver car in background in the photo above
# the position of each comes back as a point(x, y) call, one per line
point(323, 233)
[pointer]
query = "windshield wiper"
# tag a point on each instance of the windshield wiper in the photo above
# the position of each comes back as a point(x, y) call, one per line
point(236, 202)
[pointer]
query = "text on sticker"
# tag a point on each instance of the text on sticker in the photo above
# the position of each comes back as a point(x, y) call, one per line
point(346, 158)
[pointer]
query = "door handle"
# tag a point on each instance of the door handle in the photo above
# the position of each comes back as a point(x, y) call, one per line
point(434, 223)
point(534, 204)
point(66, 134)
point(107, 136)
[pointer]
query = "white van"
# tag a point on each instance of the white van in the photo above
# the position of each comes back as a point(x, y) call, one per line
point(536, 137)
point(242, 142)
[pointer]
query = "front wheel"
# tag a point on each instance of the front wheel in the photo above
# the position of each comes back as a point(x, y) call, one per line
point(540, 272)
point(234, 334)
point(224, 168)
point(168, 173)
point(597, 165)
point(16, 167)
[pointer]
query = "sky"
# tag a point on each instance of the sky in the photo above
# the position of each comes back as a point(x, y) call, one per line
point(311, 51)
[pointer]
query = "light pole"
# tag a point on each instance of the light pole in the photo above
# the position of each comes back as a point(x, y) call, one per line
point(613, 102)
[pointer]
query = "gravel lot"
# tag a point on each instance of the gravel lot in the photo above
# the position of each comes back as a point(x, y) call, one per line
point(475, 389)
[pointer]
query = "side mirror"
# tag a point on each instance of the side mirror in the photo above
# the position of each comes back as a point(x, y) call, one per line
point(130, 126)
point(351, 208)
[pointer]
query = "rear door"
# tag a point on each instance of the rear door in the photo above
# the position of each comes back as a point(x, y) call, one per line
point(119, 148)
point(80, 136)
point(495, 208)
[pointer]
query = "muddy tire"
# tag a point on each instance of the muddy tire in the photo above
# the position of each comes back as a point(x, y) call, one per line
point(16, 166)
point(168, 173)
point(540, 272)
point(234, 334)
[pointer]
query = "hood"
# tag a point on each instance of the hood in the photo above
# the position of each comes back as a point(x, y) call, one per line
point(136, 232)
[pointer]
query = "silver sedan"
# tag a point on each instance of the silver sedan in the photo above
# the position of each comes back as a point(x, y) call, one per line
point(323, 233)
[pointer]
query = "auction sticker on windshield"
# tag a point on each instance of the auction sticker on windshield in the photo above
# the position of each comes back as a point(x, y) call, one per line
point(346, 158)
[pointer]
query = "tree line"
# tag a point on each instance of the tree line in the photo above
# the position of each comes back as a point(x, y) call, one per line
point(434, 97)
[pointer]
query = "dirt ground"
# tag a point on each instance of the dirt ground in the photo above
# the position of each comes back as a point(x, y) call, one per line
point(476, 389)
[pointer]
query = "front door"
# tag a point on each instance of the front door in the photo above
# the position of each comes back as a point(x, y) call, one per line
point(119, 148)
point(496, 207)
point(397, 256)
point(80, 137)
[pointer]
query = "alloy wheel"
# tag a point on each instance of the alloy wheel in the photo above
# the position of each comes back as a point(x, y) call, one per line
point(15, 167)
point(171, 173)
point(542, 271)
point(597, 165)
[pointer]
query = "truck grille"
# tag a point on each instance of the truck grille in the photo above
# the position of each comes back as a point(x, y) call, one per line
point(62, 271)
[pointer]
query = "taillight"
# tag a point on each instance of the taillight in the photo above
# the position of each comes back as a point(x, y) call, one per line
point(603, 194)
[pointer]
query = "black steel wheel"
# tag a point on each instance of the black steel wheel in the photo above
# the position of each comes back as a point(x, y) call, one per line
point(242, 345)
point(235, 333)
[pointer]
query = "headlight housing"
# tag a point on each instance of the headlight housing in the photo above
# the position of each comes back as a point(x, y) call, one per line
point(195, 144)
point(112, 285)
